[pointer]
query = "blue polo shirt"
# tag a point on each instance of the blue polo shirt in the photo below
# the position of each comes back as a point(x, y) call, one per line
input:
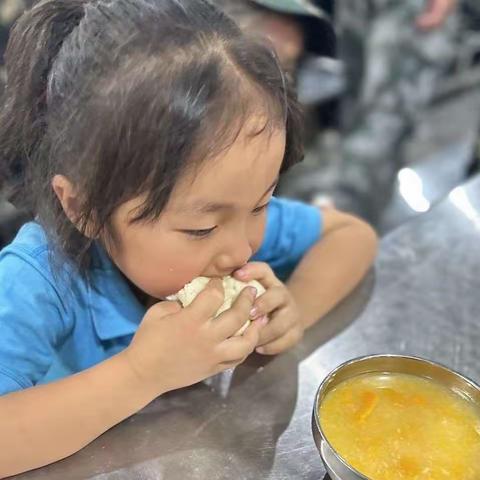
point(56, 323)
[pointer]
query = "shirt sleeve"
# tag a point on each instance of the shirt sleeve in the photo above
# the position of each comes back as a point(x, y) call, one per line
point(32, 323)
point(292, 229)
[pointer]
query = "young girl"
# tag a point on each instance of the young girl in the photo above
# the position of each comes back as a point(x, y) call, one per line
point(146, 138)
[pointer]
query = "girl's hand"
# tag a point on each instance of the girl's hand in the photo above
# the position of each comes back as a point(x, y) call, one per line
point(177, 347)
point(285, 328)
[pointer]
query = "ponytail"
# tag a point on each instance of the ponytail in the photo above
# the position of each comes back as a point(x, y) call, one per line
point(34, 43)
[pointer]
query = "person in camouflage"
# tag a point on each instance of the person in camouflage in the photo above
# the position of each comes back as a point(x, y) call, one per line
point(276, 20)
point(395, 53)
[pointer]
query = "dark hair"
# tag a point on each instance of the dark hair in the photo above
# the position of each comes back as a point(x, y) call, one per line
point(122, 96)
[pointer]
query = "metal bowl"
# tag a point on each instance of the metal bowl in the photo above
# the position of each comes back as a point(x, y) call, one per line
point(338, 468)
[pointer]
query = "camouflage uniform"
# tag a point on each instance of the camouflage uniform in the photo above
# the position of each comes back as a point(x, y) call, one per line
point(392, 70)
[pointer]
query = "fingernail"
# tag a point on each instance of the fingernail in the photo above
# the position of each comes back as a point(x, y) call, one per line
point(253, 292)
point(260, 350)
point(253, 313)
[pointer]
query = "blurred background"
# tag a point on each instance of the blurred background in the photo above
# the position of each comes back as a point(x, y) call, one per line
point(391, 90)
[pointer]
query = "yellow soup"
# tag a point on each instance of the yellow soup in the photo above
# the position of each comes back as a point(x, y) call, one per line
point(396, 427)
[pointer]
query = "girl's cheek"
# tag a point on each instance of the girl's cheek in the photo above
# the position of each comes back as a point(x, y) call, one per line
point(258, 236)
point(175, 276)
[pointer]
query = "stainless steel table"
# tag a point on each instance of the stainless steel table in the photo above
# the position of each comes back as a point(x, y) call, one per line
point(423, 298)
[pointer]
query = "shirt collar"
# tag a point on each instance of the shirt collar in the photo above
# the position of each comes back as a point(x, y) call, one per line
point(116, 311)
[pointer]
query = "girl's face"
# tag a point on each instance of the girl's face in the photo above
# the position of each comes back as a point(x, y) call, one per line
point(213, 223)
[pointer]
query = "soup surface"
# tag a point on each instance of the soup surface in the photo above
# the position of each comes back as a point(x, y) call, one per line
point(403, 427)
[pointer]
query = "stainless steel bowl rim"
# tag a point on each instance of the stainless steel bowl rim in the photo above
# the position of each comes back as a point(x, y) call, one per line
point(328, 378)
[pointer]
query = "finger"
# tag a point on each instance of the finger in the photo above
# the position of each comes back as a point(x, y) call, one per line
point(258, 271)
point(277, 327)
point(281, 344)
point(229, 365)
point(208, 301)
point(253, 332)
point(273, 299)
point(163, 309)
point(222, 367)
point(231, 321)
point(236, 349)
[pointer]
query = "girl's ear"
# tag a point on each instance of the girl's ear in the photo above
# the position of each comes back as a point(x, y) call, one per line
point(69, 199)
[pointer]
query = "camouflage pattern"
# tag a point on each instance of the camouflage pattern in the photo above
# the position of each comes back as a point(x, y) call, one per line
point(392, 69)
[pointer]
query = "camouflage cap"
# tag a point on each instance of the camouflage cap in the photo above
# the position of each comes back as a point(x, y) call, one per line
point(296, 7)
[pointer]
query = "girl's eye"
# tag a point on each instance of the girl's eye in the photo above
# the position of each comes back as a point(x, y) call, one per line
point(199, 233)
point(259, 210)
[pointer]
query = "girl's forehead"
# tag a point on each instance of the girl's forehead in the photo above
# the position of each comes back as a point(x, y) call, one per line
point(240, 174)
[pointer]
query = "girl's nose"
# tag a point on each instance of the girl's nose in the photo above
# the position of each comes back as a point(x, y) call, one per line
point(236, 254)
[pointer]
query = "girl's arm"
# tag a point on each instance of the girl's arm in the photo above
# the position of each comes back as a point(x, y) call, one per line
point(333, 266)
point(46, 423)
point(173, 348)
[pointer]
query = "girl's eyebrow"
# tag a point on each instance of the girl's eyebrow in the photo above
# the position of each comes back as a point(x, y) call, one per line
point(213, 207)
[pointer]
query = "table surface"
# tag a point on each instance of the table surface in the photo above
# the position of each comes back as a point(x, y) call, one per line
point(422, 298)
